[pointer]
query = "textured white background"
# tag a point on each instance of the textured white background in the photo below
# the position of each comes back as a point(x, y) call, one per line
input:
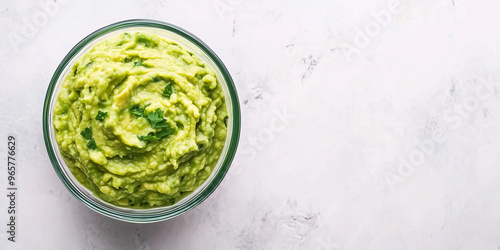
point(341, 172)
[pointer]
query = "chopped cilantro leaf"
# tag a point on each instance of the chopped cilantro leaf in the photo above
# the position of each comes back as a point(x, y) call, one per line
point(157, 121)
point(150, 137)
point(138, 111)
point(101, 115)
point(162, 124)
point(87, 133)
point(168, 91)
point(156, 136)
point(91, 144)
point(155, 117)
point(139, 63)
point(165, 132)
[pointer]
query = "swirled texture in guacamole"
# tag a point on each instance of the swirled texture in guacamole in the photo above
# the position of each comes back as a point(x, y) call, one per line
point(140, 121)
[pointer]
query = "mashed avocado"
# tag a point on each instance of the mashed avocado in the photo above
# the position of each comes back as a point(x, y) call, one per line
point(140, 121)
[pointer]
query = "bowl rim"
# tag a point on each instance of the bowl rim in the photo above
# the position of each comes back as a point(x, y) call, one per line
point(234, 135)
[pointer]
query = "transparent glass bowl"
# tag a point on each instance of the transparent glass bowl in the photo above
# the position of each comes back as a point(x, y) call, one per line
point(188, 42)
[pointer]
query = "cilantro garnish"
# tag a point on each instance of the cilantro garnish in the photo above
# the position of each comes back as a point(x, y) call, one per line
point(91, 144)
point(168, 91)
point(165, 132)
point(156, 118)
point(158, 135)
point(138, 111)
point(139, 63)
point(162, 124)
point(157, 121)
point(150, 137)
point(101, 115)
point(87, 133)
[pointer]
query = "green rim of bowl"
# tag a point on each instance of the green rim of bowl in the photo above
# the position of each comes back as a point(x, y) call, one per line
point(233, 143)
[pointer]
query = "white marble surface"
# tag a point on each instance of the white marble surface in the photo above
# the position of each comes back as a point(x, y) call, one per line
point(392, 140)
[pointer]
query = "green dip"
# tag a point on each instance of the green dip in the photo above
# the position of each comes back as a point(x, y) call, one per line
point(140, 121)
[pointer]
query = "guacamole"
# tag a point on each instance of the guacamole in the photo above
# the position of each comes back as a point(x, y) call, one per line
point(140, 121)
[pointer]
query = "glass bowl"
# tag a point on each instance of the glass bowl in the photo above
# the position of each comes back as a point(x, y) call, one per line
point(189, 42)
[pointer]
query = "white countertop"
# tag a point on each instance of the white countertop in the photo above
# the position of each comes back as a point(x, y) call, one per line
point(366, 125)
